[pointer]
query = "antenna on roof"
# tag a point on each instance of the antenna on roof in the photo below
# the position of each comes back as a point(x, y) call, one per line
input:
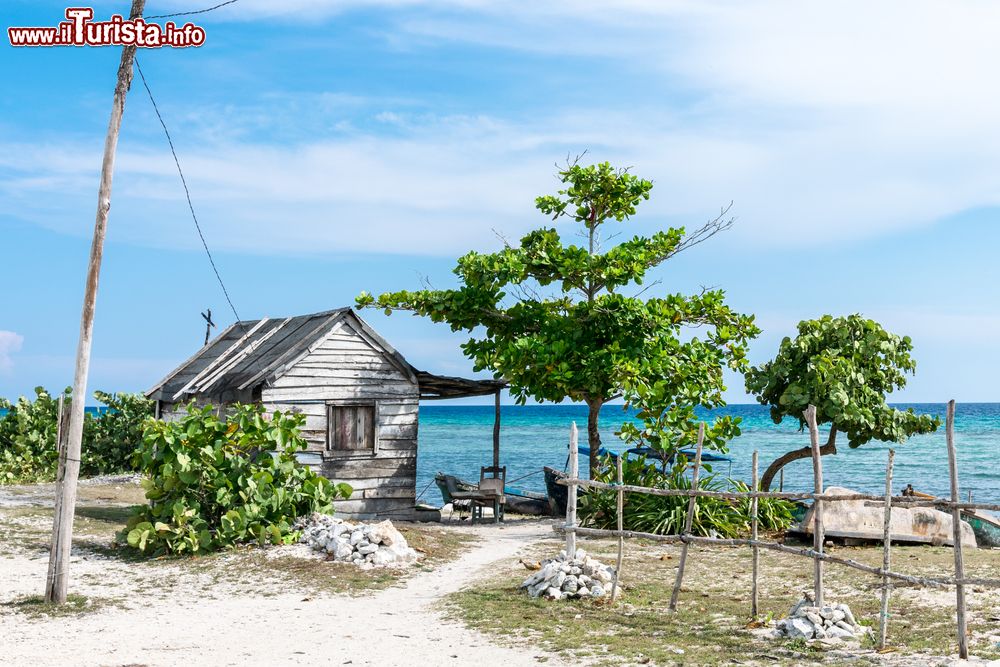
point(209, 324)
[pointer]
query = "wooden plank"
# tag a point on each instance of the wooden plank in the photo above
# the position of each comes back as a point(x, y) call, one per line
point(377, 506)
point(403, 431)
point(287, 381)
point(689, 520)
point(221, 359)
point(392, 492)
point(337, 393)
point(341, 373)
point(403, 445)
point(390, 408)
point(295, 353)
point(956, 520)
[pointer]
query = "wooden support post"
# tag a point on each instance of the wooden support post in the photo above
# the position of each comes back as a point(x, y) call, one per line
point(574, 472)
point(818, 533)
point(755, 550)
point(69, 459)
point(689, 520)
point(886, 557)
point(496, 430)
point(621, 537)
point(956, 520)
point(781, 480)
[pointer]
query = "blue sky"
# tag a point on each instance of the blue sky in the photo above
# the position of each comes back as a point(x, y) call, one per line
point(333, 147)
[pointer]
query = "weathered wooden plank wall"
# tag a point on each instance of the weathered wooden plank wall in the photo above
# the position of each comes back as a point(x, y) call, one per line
point(346, 367)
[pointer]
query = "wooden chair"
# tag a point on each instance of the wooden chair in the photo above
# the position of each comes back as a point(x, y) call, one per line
point(490, 493)
point(452, 493)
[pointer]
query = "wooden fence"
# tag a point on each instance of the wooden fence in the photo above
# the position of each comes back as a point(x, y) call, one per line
point(959, 581)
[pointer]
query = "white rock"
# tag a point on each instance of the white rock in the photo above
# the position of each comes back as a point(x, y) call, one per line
point(366, 549)
point(837, 632)
point(815, 619)
point(356, 537)
point(799, 628)
point(597, 591)
point(553, 594)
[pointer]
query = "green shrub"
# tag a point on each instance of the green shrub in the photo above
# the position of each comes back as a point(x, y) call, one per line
point(28, 436)
point(113, 438)
point(665, 515)
point(214, 482)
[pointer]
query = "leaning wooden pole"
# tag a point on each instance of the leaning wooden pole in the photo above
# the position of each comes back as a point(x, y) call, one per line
point(62, 528)
point(689, 520)
point(754, 550)
point(574, 471)
point(886, 553)
point(621, 527)
point(956, 525)
point(818, 533)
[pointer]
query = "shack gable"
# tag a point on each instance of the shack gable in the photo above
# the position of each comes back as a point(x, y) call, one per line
point(350, 386)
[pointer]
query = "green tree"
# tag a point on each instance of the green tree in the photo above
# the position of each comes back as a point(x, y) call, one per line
point(585, 339)
point(845, 366)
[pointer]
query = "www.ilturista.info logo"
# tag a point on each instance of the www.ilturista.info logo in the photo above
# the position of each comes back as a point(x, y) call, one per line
point(80, 30)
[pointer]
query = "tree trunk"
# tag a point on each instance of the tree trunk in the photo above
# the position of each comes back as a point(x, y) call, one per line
point(795, 455)
point(594, 435)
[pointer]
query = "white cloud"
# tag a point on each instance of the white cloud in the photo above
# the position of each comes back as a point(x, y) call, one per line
point(820, 122)
point(10, 343)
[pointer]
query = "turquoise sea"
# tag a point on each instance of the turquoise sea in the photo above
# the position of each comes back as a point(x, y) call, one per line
point(459, 439)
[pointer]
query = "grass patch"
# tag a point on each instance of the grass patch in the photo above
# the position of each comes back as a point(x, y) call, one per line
point(710, 625)
point(35, 606)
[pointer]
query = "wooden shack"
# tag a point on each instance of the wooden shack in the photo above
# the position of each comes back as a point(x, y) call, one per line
point(360, 398)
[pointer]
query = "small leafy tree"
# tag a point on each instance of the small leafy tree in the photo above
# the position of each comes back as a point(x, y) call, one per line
point(845, 366)
point(214, 482)
point(588, 341)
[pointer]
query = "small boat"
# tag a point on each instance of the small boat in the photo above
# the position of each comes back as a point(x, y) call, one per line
point(557, 493)
point(986, 527)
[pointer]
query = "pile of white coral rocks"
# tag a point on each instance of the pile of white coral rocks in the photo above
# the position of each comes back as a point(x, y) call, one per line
point(564, 577)
point(367, 545)
point(807, 621)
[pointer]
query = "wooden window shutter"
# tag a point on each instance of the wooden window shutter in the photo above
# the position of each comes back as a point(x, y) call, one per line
point(351, 428)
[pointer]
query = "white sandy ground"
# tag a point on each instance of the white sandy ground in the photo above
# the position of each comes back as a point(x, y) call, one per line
point(396, 626)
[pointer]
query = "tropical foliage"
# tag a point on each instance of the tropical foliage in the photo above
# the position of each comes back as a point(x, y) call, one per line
point(29, 429)
point(555, 321)
point(665, 515)
point(846, 367)
point(214, 482)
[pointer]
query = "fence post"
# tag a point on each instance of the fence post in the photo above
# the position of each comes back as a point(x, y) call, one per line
point(886, 558)
point(956, 520)
point(818, 534)
point(571, 493)
point(690, 518)
point(755, 550)
point(621, 537)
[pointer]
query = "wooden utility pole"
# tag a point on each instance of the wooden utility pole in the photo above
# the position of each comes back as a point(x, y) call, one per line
point(69, 457)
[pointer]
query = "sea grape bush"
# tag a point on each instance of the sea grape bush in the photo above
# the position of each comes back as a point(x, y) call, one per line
point(665, 515)
point(29, 429)
point(213, 482)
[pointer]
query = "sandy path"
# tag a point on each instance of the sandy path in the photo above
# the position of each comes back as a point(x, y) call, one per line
point(397, 626)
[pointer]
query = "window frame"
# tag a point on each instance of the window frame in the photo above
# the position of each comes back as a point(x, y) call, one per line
point(329, 453)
